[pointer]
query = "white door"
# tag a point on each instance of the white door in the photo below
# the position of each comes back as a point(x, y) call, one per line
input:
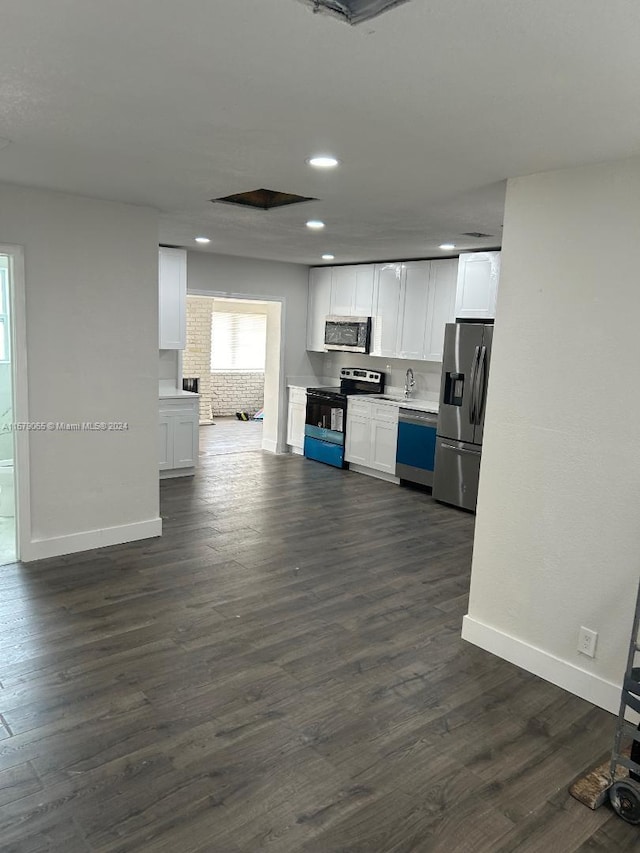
point(357, 447)
point(363, 295)
point(415, 303)
point(442, 306)
point(477, 286)
point(172, 278)
point(384, 438)
point(185, 439)
point(389, 280)
point(166, 442)
point(343, 291)
point(295, 424)
point(318, 307)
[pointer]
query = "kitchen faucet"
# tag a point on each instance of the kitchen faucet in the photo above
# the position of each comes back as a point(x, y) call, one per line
point(409, 382)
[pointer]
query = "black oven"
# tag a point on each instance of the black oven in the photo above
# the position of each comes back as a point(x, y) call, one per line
point(325, 426)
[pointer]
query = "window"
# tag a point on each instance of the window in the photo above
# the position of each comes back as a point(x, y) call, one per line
point(238, 341)
point(4, 314)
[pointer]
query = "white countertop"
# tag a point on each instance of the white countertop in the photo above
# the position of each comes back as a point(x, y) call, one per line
point(394, 396)
point(169, 392)
point(421, 405)
point(416, 403)
point(311, 382)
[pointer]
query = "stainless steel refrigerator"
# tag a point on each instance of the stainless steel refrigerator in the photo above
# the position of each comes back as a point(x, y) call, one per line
point(463, 395)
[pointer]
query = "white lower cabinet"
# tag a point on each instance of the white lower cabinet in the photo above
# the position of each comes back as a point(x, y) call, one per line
point(296, 420)
point(179, 424)
point(372, 435)
point(358, 440)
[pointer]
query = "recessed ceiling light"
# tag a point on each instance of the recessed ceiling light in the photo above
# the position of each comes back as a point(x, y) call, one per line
point(315, 224)
point(202, 240)
point(323, 162)
point(328, 257)
point(447, 246)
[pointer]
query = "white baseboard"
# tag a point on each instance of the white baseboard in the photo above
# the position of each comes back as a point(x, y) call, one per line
point(56, 546)
point(580, 682)
point(270, 445)
point(371, 472)
point(169, 473)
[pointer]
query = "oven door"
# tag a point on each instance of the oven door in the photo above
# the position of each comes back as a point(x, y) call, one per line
point(324, 428)
point(326, 416)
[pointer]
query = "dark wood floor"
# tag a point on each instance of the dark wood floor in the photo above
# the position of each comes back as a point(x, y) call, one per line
point(283, 672)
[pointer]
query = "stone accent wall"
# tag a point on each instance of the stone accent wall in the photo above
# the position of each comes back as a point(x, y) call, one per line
point(220, 393)
point(196, 358)
point(237, 392)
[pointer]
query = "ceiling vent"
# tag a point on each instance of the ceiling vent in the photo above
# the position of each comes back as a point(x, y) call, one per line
point(477, 234)
point(262, 199)
point(353, 11)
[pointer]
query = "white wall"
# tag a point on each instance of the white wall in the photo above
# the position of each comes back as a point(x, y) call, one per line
point(557, 534)
point(259, 278)
point(92, 349)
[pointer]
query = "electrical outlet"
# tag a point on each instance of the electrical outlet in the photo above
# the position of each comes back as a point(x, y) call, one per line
point(587, 640)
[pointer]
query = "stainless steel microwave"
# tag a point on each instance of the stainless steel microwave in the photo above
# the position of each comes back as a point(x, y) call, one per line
point(348, 334)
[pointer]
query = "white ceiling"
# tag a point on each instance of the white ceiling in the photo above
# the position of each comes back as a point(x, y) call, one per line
point(430, 107)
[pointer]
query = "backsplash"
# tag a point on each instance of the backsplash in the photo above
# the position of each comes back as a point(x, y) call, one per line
point(426, 373)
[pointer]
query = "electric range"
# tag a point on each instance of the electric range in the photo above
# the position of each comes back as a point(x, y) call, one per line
point(326, 415)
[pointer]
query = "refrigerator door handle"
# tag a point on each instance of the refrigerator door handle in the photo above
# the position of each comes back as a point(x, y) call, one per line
point(481, 391)
point(445, 446)
point(472, 384)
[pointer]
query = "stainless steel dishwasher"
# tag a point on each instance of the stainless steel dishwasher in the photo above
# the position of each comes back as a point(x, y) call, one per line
point(416, 451)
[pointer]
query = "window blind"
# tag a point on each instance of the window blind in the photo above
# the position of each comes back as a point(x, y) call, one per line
point(238, 341)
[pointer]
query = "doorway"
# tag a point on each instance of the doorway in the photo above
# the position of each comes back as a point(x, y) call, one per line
point(8, 502)
point(234, 349)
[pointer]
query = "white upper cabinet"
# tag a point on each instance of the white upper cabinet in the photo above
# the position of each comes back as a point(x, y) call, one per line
point(387, 301)
point(343, 290)
point(410, 304)
point(172, 278)
point(414, 302)
point(442, 307)
point(318, 307)
point(477, 287)
point(352, 291)
point(414, 309)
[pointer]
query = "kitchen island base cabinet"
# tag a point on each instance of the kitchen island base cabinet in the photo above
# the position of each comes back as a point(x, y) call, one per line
point(372, 434)
point(179, 424)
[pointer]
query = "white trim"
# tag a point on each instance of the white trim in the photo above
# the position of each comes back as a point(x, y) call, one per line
point(372, 472)
point(170, 473)
point(280, 445)
point(20, 391)
point(56, 546)
point(580, 682)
